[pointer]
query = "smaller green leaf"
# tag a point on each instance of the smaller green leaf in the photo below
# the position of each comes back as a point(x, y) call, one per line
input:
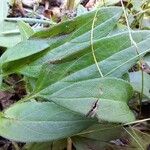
point(81, 143)
point(11, 39)
point(136, 82)
point(102, 132)
point(40, 121)
point(97, 137)
point(25, 30)
point(139, 139)
point(22, 54)
point(147, 59)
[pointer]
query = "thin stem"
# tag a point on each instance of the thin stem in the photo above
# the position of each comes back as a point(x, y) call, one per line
point(137, 121)
point(136, 48)
point(104, 3)
point(137, 137)
point(141, 12)
point(70, 4)
point(118, 125)
point(134, 139)
point(69, 144)
point(30, 20)
point(92, 46)
point(142, 89)
point(98, 130)
point(16, 31)
point(15, 146)
point(133, 58)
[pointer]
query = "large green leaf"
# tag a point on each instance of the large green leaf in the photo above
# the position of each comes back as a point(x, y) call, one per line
point(77, 51)
point(58, 46)
point(35, 121)
point(81, 96)
point(104, 48)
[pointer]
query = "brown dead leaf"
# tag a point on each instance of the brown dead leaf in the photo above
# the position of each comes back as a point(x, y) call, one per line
point(5, 99)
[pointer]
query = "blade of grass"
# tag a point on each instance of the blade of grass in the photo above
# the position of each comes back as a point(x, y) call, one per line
point(31, 20)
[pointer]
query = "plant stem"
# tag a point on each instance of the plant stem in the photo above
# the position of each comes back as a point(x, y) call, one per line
point(15, 146)
point(135, 139)
point(92, 46)
point(137, 121)
point(69, 144)
point(70, 4)
point(136, 49)
point(30, 20)
point(104, 3)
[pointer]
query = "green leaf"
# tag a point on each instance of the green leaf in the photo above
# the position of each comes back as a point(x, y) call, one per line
point(8, 40)
point(106, 20)
point(71, 62)
point(36, 122)
point(109, 51)
point(61, 62)
point(83, 24)
point(97, 137)
point(112, 103)
point(25, 51)
point(147, 59)
point(137, 140)
point(136, 82)
point(142, 140)
point(81, 143)
point(4, 9)
point(83, 94)
point(25, 30)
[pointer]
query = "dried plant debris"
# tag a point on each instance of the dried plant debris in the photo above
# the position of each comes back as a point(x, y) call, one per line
point(16, 9)
point(5, 99)
point(15, 90)
point(9, 145)
point(55, 10)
